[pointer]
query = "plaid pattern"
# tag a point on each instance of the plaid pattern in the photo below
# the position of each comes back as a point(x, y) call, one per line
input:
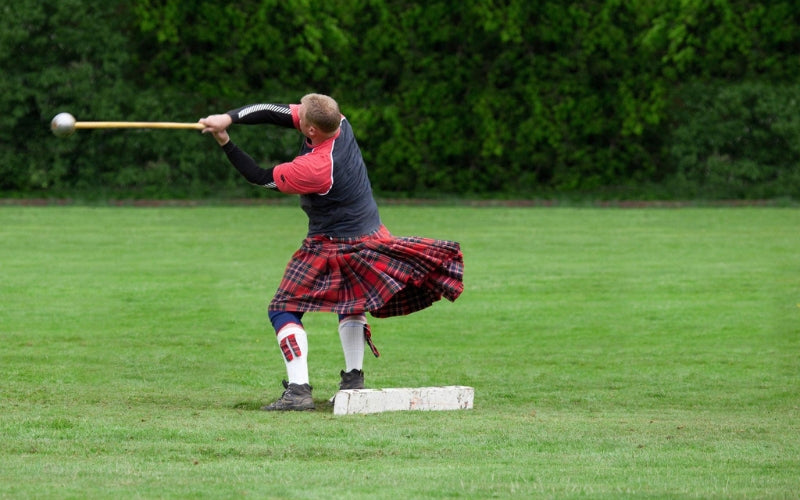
point(379, 273)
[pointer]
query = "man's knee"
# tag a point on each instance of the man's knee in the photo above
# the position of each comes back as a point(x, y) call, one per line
point(279, 319)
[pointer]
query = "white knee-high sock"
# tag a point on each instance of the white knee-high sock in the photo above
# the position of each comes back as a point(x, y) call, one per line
point(293, 341)
point(351, 333)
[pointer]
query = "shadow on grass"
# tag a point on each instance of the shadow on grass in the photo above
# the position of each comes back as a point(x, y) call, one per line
point(322, 406)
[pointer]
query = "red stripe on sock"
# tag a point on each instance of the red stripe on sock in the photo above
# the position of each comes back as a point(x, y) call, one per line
point(294, 345)
point(287, 352)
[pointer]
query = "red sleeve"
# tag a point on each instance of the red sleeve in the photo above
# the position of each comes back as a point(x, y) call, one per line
point(311, 173)
point(295, 117)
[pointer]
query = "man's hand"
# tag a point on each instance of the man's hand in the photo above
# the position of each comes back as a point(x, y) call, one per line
point(216, 125)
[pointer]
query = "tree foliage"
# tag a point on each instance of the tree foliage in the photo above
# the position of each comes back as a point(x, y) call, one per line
point(483, 98)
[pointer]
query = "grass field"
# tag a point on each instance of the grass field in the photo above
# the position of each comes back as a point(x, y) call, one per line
point(614, 353)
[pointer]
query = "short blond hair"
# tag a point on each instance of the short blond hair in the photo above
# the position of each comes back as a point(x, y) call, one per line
point(322, 111)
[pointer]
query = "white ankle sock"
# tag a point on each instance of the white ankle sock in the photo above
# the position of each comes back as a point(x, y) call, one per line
point(293, 341)
point(351, 333)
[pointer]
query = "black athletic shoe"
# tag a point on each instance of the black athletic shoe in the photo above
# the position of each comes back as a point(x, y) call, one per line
point(354, 379)
point(296, 397)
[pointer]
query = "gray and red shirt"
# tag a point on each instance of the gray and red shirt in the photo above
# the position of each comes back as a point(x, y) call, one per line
point(331, 177)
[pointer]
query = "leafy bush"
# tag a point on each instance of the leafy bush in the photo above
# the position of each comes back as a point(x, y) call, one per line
point(517, 98)
point(736, 140)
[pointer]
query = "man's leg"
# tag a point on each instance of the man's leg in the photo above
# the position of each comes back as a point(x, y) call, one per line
point(351, 334)
point(293, 341)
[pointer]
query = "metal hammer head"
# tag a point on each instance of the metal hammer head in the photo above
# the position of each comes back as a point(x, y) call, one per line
point(63, 124)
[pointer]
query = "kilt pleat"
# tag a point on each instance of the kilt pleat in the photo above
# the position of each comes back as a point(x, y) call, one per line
point(381, 274)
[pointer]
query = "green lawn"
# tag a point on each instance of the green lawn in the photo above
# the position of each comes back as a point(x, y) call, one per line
point(614, 353)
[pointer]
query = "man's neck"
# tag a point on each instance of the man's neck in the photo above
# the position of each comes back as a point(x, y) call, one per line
point(318, 139)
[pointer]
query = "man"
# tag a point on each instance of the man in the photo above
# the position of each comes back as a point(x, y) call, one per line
point(349, 263)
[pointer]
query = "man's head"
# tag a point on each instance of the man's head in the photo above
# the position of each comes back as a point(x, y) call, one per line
point(321, 112)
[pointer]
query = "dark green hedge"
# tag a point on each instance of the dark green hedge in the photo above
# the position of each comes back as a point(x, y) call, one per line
point(519, 98)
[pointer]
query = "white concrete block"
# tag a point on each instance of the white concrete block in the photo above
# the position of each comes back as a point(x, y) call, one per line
point(453, 397)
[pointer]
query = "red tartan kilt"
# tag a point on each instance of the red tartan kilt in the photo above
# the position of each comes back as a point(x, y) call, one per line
point(380, 273)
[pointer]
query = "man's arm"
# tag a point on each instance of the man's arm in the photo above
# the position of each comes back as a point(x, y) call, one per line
point(273, 114)
point(248, 167)
point(276, 114)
